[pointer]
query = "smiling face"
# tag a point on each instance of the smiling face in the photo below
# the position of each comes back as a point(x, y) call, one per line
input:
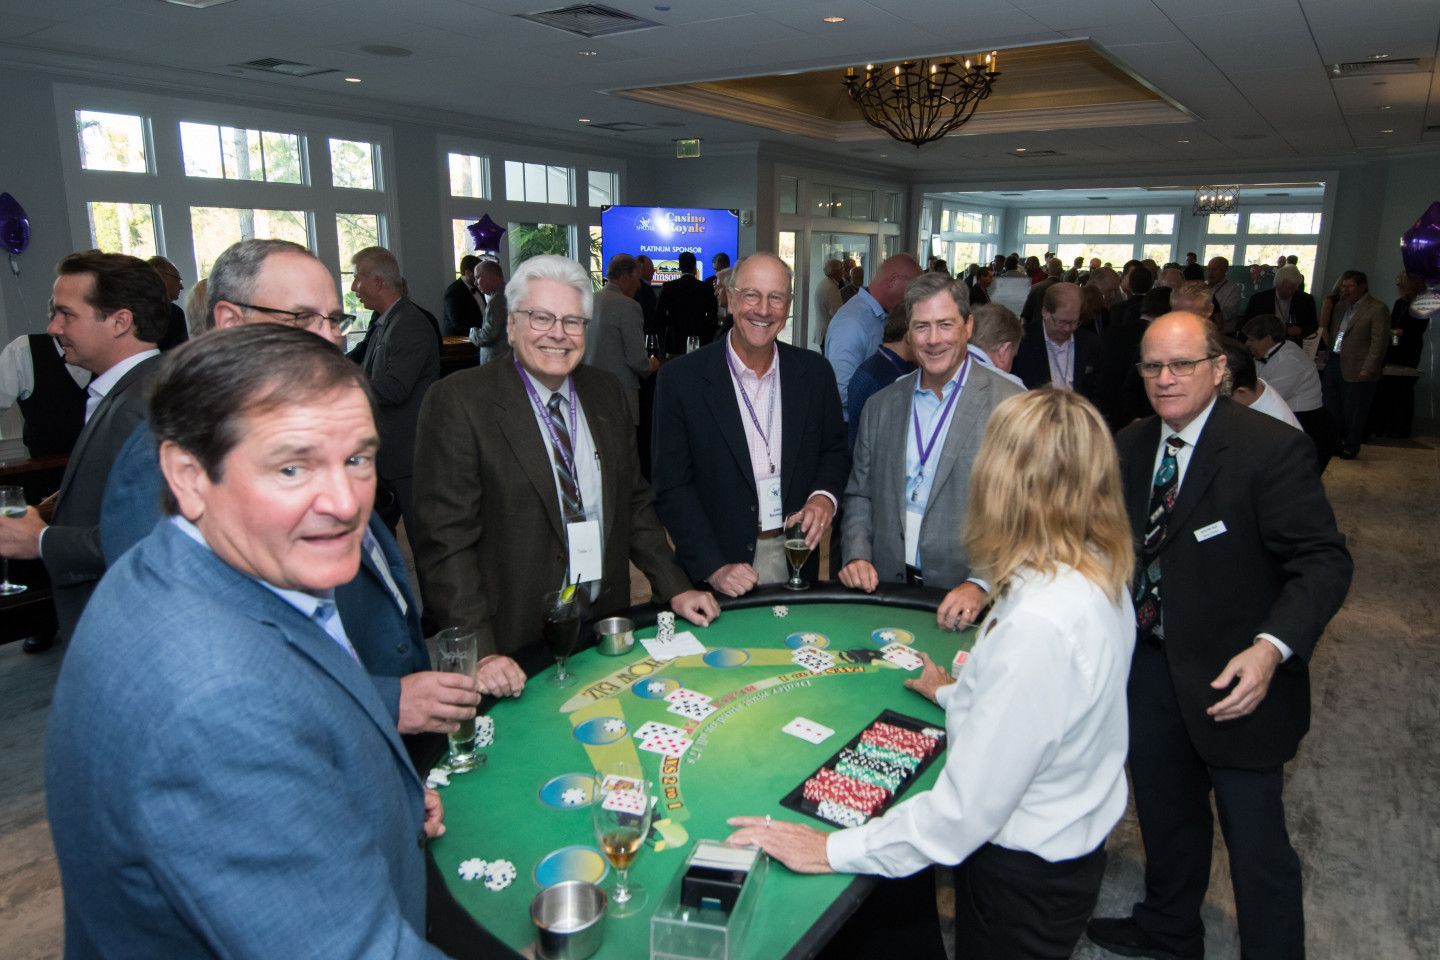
point(759, 302)
point(1179, 400)
point(551, 355)
point(293, 496)
point(938, 335)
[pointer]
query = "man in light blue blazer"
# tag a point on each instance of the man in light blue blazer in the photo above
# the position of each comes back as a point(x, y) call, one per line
point(905, 503)
point(222, 776)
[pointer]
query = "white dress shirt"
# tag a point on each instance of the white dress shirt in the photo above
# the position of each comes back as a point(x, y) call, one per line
point(1036, 737)
point(1062, 362)
point(105, 382)
point(1291, 371)
point(1272, 404)
point(17, 372)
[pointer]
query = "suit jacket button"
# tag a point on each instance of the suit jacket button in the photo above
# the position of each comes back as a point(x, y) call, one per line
point(750, 547)
point(402, 648)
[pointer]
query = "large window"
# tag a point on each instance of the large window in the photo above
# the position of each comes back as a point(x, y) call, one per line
point(112, 141)
point(215, 228)
point(1101, 223)
point(604, 188)
point(532, 239)
point(122, 227)
point(469, 175)
point(234, 153)
point(1114, 254)
point(1262, 236)
point(353, 164)
point(354, 232)
point(539, 183)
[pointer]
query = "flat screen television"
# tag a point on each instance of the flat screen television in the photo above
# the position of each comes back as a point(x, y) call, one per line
point(663, 233)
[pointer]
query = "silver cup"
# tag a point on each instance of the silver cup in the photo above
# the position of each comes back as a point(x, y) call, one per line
point(614, 636)
point(569, 919)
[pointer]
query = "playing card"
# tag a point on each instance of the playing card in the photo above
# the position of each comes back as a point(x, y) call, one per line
point(682, 693)
point(691, 709)
point(666, 746)
point(813, 659)
point(625, 801)
point(650, 728)
point(808, 730)
point(614, 782)
point(902, 656)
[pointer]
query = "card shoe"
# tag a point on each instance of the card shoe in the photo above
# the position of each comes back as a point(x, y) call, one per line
point(1123, 935)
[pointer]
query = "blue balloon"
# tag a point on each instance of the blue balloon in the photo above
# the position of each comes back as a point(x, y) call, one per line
point(14, 225)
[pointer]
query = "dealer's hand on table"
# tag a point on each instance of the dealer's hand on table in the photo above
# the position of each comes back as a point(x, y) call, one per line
point(697, 606)
point(1254, 667)
point(434, 815)
point(20, 536)
point(860, 575)
point(500, 676)
point(799, 847)
point(434, 702)
point(814, 518)
point(931, 678)
point(734, 579)
point(960, 607)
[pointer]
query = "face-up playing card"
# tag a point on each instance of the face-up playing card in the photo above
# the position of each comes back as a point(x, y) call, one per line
point(666, 746)
point(626, 801)
point(813, 659)
point(902, 656)
point(808, 730)
point(691, 709)
point(680, 694)
point(615, 782)
point(650, 729)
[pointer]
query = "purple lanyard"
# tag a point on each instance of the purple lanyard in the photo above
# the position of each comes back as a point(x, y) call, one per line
point(750, 407)
point(550, 424)
point(925, 449)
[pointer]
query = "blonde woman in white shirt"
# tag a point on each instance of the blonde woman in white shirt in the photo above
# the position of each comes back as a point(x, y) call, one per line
point(1033, 778)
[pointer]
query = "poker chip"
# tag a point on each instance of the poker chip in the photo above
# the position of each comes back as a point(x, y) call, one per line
point(935, 733)
point(614, 725)
point(484, 731)
point(437, 777)
point(780, 610)
point(472, 869)
point(889, 781)
point(827, 784)
point(655, 686)
point(840, 814)
point(499, 874)
point(573, 797)
point(898, 758)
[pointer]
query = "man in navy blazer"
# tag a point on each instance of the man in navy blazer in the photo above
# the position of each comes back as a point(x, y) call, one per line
point(1056, 349)
point(377, 606)
point(777, 412)
point(222, 776)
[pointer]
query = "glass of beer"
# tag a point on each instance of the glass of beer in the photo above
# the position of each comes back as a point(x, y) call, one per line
point(12, 504)
point(560, 626)
point(797, 551)
point(621, 814)
point(457, 652)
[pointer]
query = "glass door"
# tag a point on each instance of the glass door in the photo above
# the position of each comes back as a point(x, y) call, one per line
point(856, 247)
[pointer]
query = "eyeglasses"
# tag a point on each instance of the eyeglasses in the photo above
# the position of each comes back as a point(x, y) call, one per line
point(752, 298)
point(305, 319)
point(540, 321)
point(1179, 368)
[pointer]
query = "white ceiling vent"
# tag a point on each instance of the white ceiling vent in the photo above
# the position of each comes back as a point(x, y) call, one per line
point(1375, 68)
point(286, 68)
point(589, 20)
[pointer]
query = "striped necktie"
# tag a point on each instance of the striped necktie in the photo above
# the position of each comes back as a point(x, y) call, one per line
point(1163, 491)
point(572, 506)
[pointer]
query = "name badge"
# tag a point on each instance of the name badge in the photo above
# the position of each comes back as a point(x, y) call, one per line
point(585, 551)
point(913, 519)
point(772, 510)
point(1210, 532)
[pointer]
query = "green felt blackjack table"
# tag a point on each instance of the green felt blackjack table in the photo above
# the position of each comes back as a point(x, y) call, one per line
point(529, 803)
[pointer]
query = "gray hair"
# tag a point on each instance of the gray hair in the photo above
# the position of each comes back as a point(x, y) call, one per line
point(927, 285)
point(548, 266)
point(733, 279)
point(995, 326)
point(1289, 274)
point(235, 273)
point(381, 264)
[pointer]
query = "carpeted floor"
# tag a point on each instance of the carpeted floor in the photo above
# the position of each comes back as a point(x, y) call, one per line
point(1362, 795)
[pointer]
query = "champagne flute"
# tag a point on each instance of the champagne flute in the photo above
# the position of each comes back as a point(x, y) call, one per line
point(797, 551)
point(12, 504)
point(458, 651)
point(560, 626)
point(652, 345)
point(621, 814)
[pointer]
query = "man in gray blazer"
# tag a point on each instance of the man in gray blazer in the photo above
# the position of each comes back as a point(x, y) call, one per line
point(224, 778)
point(615, 341)
point(403, 359)
point(904, 518)
point(490, 337)
point(107, 312)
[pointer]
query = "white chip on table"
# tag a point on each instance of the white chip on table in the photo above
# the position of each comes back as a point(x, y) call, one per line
point(614, 725)
point(573, 797)
point(472, 869)
point(499, 874)
point(780, 610)
point(655, 686)
point(437, 777)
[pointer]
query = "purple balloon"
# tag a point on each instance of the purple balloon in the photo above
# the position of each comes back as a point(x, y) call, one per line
point(486, 234)
point(14, 225)
point(1420, 245)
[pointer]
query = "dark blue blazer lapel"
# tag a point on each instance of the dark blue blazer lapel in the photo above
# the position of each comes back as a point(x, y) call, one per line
point(719, 392)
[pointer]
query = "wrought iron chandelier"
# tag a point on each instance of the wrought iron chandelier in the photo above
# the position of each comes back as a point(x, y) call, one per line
point(1210, 200)
point(919, 101)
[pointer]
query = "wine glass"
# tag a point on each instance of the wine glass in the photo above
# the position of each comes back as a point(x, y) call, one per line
point(12, 504)
point(652, 345)
point(692, 344)
point(797, 551)
point(457, 649)
point(560, 626)
point(621, 814)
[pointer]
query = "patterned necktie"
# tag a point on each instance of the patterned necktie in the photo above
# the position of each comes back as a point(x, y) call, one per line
point(1162, 502)
point(572, 506)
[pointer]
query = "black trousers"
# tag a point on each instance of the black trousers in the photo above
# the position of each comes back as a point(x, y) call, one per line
point(1320, 427)
point(1172, 786)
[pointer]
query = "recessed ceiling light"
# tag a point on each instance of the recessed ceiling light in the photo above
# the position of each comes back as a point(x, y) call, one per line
point(1386, 107)
point(1021, 149)
point(1387, 131)
point(587, 53)
point(1182, 141)
point(584, 119)
point(833, 19)
point(352, 79)
point(1379, 56)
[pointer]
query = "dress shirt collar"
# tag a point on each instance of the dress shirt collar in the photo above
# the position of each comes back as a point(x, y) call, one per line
point(863, 295)
point(101, 385)
point(544, 392)
point(746, 373)
point(1193, 429)
point(306, 603)
point(945, 390)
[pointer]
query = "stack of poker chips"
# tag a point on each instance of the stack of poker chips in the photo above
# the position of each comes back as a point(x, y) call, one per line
point(862, 779)
point(665, 625)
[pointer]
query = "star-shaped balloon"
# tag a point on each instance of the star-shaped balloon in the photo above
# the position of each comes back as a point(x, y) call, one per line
point(486, 234)
point(14, 225)
point(1420, 245)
